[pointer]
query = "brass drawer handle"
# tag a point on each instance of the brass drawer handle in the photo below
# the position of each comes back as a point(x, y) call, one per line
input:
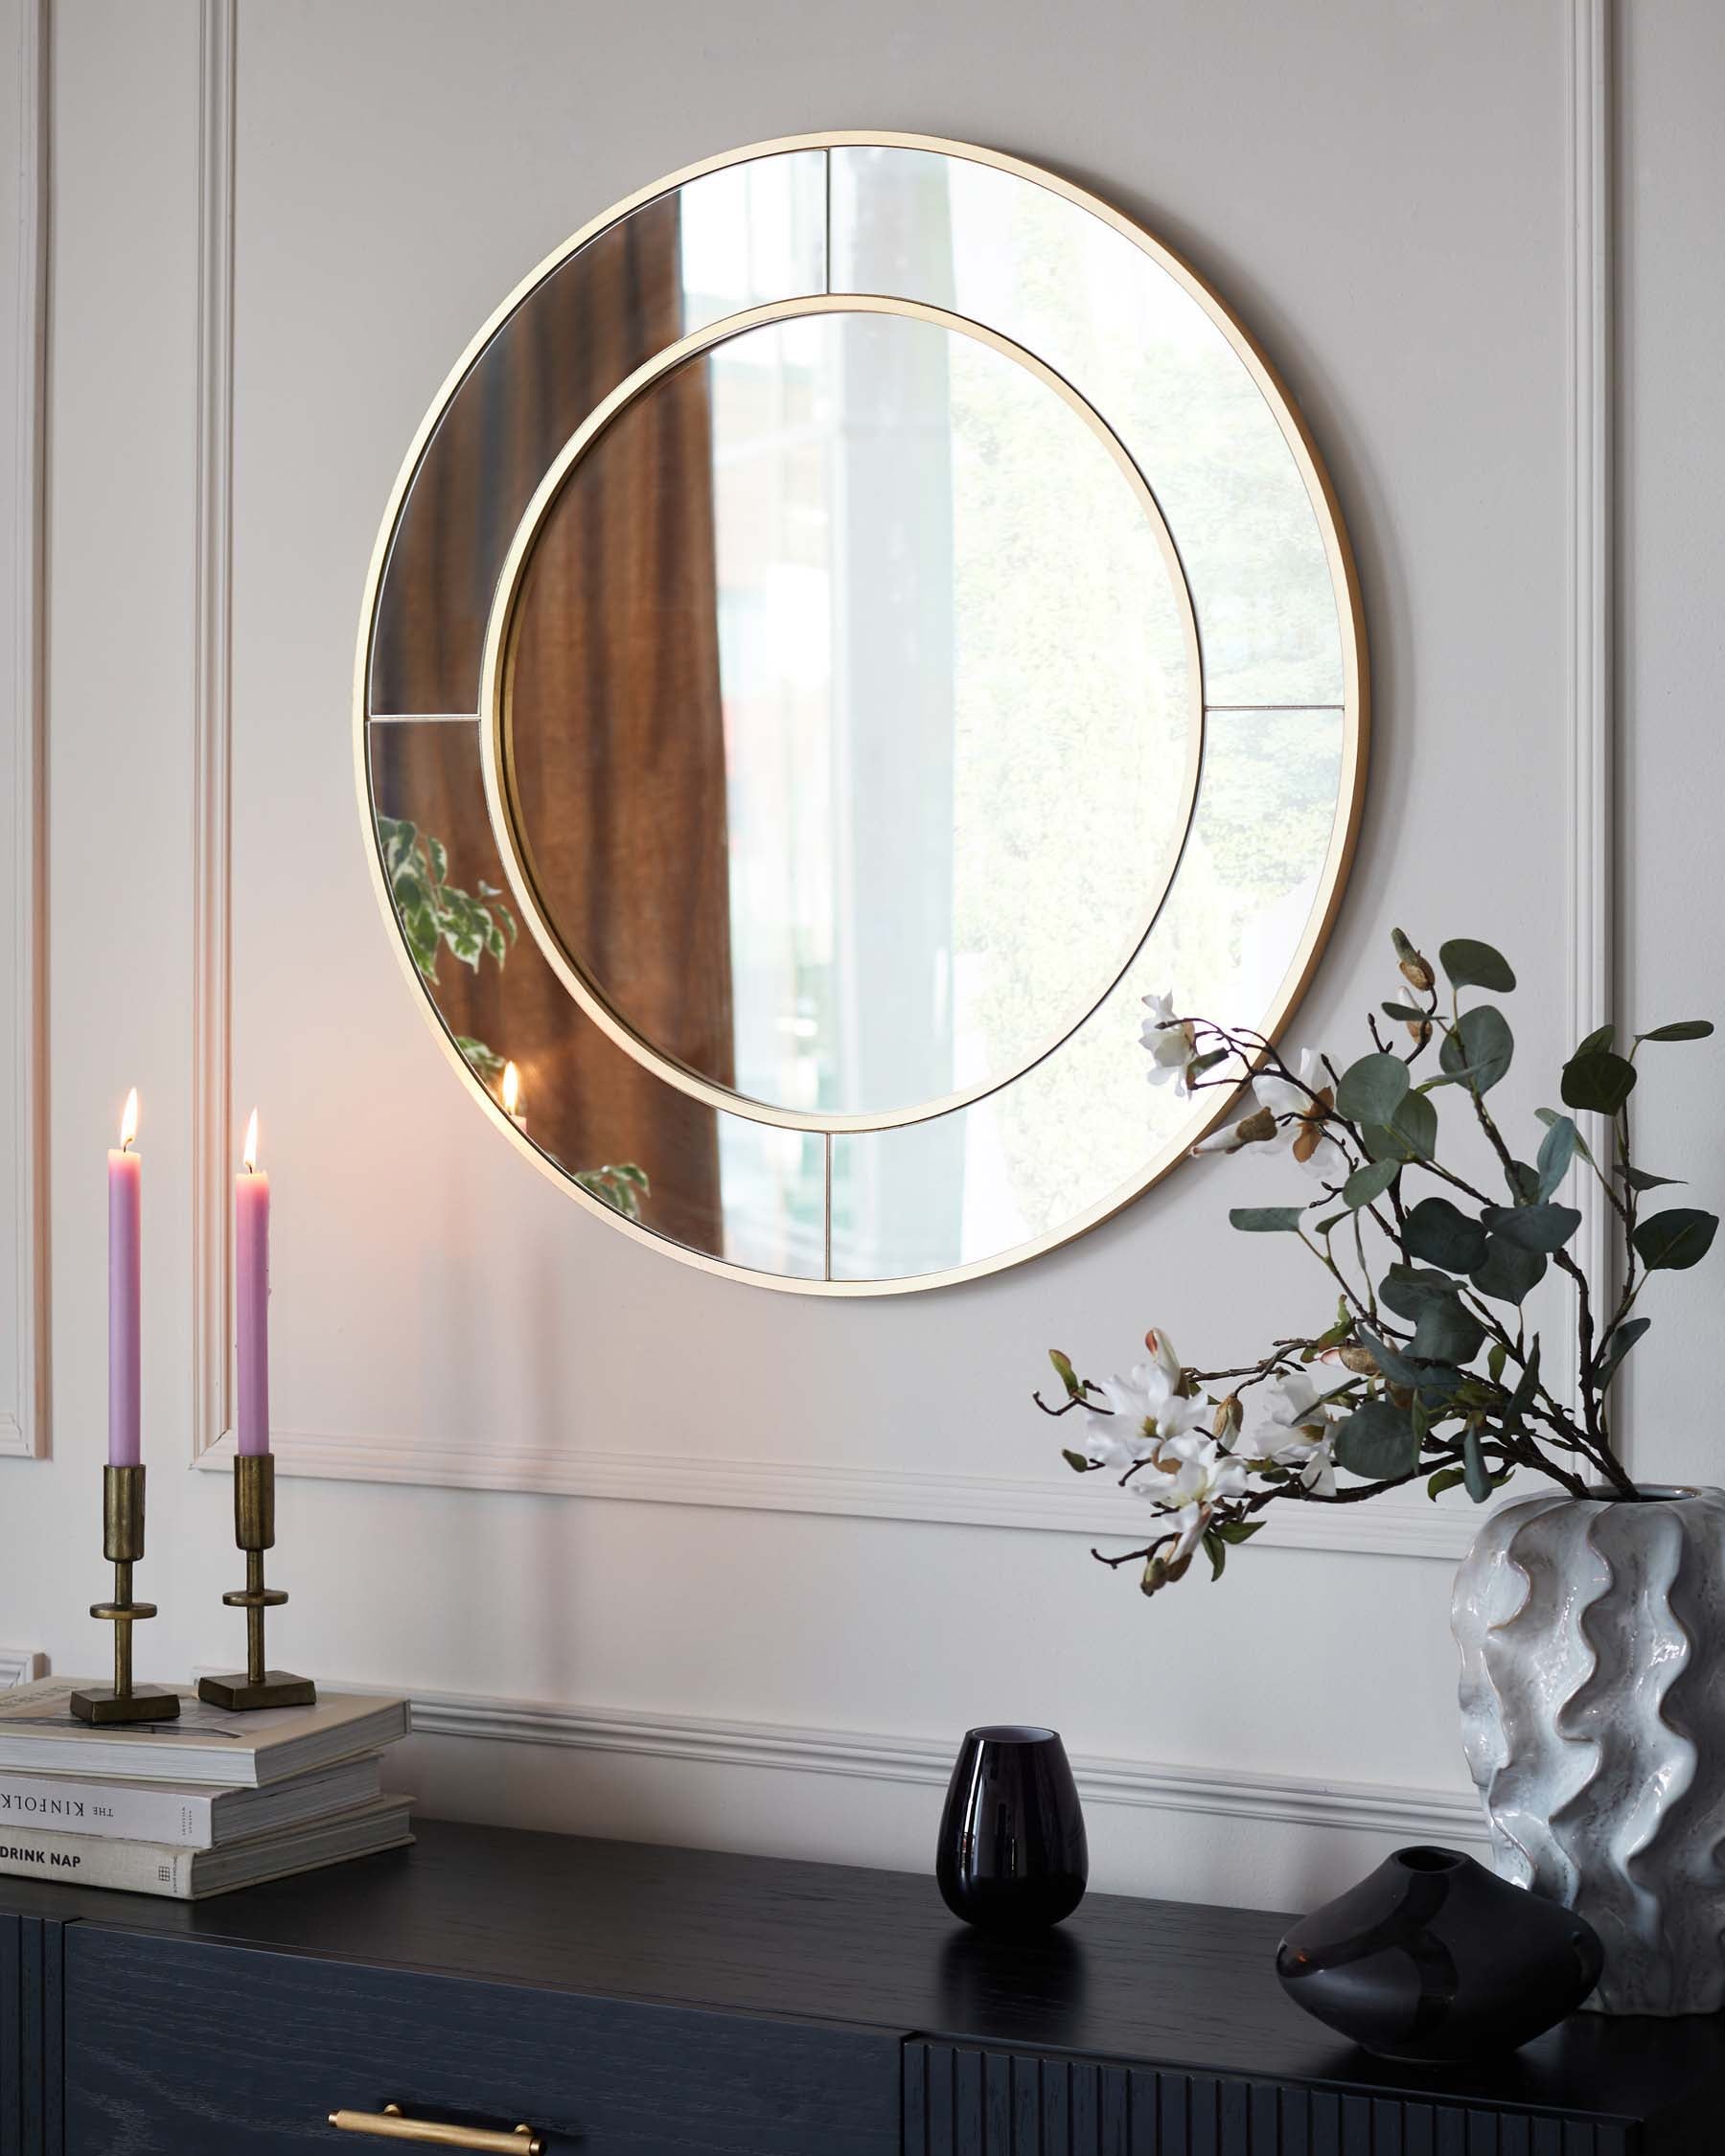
point(388, 2124)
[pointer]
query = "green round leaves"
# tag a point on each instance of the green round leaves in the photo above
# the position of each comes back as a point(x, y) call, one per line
point(1406, 1289)
point(1447, 1331)
point(1410, 1135)
point(1377, 1441)
point(1439, 1233)
point(1371, 1089)
point(1672, 1242)
point(1477, 1051)
point(1596, 1079)
point(1368, 1183)
point(1544, 1229)
point(1509, 1272)
point(1476, 965)
point(1617, 1346)
point(1684, 1029)
point(1555, 1153)
point(1266, 1220)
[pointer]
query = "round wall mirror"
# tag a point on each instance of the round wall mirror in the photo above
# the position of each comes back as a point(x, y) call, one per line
point(858, 617)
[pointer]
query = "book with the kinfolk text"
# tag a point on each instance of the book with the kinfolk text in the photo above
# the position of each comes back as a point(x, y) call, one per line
point(179, 1812)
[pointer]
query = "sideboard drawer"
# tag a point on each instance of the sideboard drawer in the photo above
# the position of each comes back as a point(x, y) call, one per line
point(963, 2102)
point(179, 2048)
point(30, 1952)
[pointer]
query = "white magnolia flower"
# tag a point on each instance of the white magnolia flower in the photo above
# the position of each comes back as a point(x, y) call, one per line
point(1317, 1152)
point(1171, 1042)
point(1418, 1030)
point(1296, 1401)
point(1196, 1477)
point(1298, 1434)
point(1144, 1411)
point(1309, 1459)
point(1197, 1471)
point(1256, 1133)
point(1288, 1115)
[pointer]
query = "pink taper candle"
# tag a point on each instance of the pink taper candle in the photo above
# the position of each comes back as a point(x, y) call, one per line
point(251, 1296)
point(125, 1224)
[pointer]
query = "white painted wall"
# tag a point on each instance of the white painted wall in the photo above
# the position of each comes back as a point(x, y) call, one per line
point(22, 267)
point(1671, 531)
point(13, 100)
point(760, 1646)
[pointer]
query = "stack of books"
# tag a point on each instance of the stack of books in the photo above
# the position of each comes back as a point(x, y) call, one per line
point(199, 1806)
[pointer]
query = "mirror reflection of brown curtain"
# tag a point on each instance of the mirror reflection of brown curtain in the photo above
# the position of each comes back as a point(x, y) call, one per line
point(620, 750)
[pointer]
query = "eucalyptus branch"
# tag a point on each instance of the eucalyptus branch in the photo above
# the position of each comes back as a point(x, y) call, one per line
point(1364, 1269)
point(1359, 1493)
point(1439, 1375)
point(1065, 1408)
point(1453, 1180)
point(1133, 1556)
point(1506, 1157)
point(1336, 1273)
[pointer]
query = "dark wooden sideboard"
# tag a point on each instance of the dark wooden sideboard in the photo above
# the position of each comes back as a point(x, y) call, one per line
point(623, 1999)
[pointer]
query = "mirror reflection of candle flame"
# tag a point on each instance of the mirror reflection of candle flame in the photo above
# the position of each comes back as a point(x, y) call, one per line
point(512, 1087)
point(128, 1120)
point(250, 1154)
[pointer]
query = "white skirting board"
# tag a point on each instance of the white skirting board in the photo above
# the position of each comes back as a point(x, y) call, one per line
point(1228, 1835)
point(1413, 1813)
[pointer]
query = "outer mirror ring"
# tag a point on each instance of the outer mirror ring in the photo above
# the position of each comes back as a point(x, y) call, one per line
point(1332, 879)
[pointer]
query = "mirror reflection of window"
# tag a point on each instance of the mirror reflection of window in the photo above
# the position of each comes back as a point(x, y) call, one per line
point(1129, 337)
point(956, 703)
point(955, 685)
point(609, 306)
point(948, 644)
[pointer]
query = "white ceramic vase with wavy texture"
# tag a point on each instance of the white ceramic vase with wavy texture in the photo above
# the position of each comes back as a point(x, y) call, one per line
point(1593, 1711)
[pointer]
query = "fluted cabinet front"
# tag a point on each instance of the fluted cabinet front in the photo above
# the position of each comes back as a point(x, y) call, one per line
point(961, 2100)
point(30, 2029)
point(1593, 1708)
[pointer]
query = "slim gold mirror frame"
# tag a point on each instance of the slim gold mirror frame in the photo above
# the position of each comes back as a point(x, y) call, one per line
point(492, 716)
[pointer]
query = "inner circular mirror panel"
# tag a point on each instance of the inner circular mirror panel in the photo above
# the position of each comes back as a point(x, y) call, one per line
point(859, 618)
point(852, 713)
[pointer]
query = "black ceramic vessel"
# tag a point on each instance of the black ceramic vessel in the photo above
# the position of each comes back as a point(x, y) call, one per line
point(1432, 1957)
point(1012, 1855)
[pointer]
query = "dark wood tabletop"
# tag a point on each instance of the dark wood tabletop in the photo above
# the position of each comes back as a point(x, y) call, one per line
point(1173, 1984)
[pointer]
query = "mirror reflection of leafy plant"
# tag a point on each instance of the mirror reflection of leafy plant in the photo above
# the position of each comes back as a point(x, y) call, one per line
point(437, 916)
point(487, 1061)
point(434, 913)
point(1428, 1368)
point(622, 1187)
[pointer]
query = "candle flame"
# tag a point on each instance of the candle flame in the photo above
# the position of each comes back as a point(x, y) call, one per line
point(128, 1120)
point(512, 1087)
point(250, 1154)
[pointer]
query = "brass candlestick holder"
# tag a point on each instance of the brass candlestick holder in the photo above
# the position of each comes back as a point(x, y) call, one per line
point(123, 1545)
point(254, 1530)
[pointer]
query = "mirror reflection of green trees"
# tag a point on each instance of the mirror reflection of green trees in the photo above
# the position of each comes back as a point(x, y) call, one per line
point(1250, 878)
point(436, 916)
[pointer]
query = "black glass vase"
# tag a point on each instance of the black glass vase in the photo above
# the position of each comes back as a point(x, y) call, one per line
point(1012, 1855)
point(1432, 1957)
